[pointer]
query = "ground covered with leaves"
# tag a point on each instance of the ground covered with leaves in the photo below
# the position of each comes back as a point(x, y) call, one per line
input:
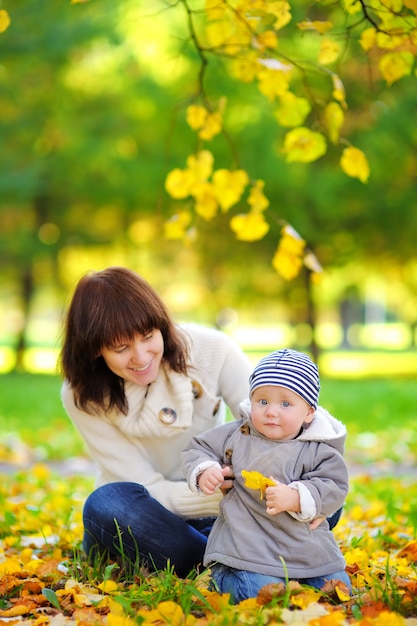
point(45, 579)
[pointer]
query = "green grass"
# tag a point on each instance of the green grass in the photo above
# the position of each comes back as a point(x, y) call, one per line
point(380, 415)
point(32, 415)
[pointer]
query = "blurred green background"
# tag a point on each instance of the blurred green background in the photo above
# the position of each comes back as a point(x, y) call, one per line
point(92, 101)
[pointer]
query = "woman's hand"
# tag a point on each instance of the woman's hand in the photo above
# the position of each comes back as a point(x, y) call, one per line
point(229, 477)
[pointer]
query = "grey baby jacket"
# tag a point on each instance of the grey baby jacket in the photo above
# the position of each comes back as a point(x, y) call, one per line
point(244, 536)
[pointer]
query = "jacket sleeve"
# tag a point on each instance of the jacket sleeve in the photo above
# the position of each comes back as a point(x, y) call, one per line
point(205, 450)
point(325, 483)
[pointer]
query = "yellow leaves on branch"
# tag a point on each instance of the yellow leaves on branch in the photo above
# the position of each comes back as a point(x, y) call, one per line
point(395, 65)
point(211, 191)
point(291, 255)
point(208, 124)
point(288, 258)
point(228, 187)
point(249, 226)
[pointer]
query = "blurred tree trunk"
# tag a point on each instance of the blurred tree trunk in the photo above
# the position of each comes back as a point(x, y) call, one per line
point(27, 290)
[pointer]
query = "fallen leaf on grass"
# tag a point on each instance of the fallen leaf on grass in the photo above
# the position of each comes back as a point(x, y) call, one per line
point(409, 552)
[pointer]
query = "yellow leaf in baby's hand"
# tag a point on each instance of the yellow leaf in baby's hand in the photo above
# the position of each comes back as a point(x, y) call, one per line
point(256, 480)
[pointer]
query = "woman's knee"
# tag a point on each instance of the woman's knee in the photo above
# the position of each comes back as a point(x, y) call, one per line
point(111, 501)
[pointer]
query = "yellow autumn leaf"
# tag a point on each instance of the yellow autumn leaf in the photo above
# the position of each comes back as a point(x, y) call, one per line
point(268, 39)
point(304, 145)
point(339, 93)
point(108, 586)
point(249, 604)
point(206, 202)
point(343, 597)
point(249, 226)
point(178, 183)
point(214, 10)
point(368, 38)
point(196, 116)
point(116, 619)
point(388, 41)
point(291, 241)
point(292, 110)
point(15, 611)
point(229, 186)
point(211, 127)
point(219, 602)
point(281, 10)
point(328, 52)
point(319, 26)
point(396, 65)
point(257, 199)
point(334, 119)
point(287, 265)
point(4, 20)
point(288, 257)
point(11, 565)
point(219, 32)
point(307, 597)
point(176, 226)
point(246, 68)
point(166, 612)
point(352, 6)
point(273, 82)
point(256, 480)
point(355, 164)
point(200, 167)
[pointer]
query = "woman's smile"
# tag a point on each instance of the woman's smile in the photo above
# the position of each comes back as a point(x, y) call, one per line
point(136, 360)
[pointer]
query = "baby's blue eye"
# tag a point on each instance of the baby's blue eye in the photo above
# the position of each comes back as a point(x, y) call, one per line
point(285, 403)
point(263, 402)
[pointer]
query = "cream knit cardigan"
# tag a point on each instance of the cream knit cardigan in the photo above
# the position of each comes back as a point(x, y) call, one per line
point(142, 447)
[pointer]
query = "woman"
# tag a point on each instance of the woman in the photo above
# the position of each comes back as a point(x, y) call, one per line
point(138, 387)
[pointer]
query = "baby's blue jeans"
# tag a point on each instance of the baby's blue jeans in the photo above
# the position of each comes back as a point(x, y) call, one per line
point(242, 584)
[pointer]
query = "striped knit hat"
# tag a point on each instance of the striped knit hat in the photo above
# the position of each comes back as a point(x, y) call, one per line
point(290, 369)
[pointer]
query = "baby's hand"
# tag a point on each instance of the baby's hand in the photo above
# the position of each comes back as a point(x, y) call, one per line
point(281, 498)
point(210, 480)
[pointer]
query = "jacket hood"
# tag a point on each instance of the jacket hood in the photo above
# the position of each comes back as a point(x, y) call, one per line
point(323, 428)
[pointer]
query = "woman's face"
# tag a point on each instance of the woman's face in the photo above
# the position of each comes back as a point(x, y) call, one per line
point(138, 360)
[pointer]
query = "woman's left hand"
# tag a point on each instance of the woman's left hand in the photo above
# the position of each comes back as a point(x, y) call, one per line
point(229, 477)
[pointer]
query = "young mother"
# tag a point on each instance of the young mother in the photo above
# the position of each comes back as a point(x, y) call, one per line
point(138, 387)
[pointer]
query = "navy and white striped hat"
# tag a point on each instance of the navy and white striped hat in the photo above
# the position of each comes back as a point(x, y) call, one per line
point(290, 369)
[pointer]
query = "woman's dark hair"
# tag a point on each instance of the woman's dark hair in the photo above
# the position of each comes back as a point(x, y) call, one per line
point(108, 307)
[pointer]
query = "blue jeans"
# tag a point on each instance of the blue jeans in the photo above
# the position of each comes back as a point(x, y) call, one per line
point(124, 522)
point(242, 584)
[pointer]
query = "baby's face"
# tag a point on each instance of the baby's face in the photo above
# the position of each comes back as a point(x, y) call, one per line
point(278, 413)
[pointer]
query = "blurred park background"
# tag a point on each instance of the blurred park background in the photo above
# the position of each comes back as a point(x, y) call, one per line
point(92, 99)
